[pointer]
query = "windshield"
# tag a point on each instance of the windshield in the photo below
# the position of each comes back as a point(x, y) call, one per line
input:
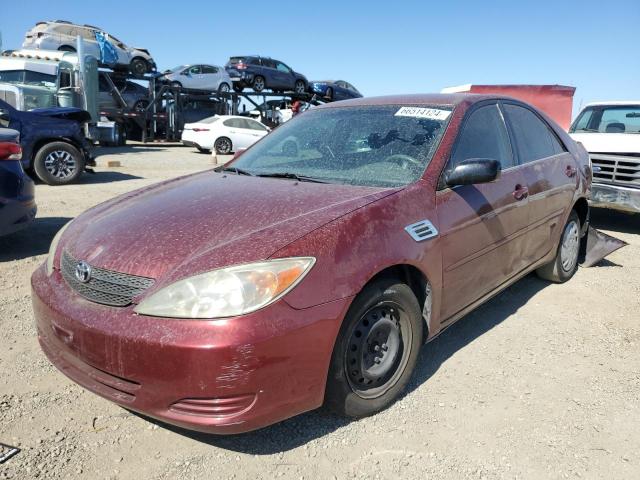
point(608, 119)
point(27, 77)
point(378, 146)
point(178, 68)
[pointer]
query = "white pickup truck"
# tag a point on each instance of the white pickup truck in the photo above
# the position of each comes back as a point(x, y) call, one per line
point(610, 131)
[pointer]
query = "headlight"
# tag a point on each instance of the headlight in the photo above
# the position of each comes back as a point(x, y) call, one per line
point(227, 292)
point(53, 248)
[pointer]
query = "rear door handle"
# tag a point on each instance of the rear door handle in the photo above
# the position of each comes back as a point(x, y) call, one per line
point(570, 171)
point(521, 192)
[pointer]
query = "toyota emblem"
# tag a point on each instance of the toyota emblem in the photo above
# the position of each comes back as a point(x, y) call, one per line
point(83, 272)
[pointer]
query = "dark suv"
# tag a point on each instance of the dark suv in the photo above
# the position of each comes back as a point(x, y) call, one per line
point(264, 72)
point(53, 143)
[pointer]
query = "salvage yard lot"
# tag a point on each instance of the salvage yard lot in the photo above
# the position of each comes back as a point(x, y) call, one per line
point(543, 381)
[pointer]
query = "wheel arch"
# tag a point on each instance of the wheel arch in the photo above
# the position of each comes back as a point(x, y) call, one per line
point(417, 282)
point(41, 142)
point(581, 207)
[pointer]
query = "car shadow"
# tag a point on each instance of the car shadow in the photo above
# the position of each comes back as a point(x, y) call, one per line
point(33, 240)
point(297, 431)
point(106, 177)
point(135, 148)
point(615, 221)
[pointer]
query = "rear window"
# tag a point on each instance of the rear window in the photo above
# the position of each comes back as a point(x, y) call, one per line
point(209, 120)
point(534, 138)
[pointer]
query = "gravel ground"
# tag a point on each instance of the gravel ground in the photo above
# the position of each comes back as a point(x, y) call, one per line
point(541, 382)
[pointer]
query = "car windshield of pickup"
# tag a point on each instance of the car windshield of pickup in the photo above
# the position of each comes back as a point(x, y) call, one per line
point(378, 146)
point(608, 119)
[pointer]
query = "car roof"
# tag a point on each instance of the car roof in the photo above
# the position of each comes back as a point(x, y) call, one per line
point(443, 99)
point(614, 103)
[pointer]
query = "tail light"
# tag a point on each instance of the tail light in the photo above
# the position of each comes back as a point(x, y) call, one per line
point(200, 129)
point(10, 151)
point(241, 66)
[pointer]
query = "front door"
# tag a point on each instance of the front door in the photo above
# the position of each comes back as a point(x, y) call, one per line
point(481, 226)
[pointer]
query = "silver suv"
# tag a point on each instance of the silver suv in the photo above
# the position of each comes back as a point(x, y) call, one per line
point(61, 35)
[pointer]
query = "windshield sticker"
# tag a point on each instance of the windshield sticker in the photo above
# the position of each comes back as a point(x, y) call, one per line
point(418, 112)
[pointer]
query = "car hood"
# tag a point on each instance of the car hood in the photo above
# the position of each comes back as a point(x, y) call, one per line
point(64, 113)
point(205, 221)
point(609, 142)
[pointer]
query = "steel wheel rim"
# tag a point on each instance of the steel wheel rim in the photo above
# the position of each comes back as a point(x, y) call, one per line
point(570, 246)
point(60, 164)
point(258, 84)
point(378, 350)
point(224, 145)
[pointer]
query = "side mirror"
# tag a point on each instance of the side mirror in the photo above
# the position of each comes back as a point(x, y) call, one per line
point(472, 171)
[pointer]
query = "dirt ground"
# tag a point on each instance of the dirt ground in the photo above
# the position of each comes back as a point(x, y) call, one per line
point(541, 382)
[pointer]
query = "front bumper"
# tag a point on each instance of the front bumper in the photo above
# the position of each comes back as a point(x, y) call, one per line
point(221, 376)
point(615, 197)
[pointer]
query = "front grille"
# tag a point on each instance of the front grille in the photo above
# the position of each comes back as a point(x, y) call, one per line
point(618, 169)
point(105, 286)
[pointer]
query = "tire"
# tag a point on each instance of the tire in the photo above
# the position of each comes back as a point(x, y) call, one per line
point(299, 87)
point(258, 84)
point(565, 263)
point(66, 48)
point(376, 349)
point(140, 106)
point(237, 88)
point(223, 146)
point(58, 163)
point(139, 66)
point(175, 85)
point(224, 87)
point(121, 139)
point(329, 93)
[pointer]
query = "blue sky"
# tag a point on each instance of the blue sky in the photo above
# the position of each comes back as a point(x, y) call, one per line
point(381, 47)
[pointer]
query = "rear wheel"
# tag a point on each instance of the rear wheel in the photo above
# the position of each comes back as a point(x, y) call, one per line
point(258, 84)
point(376, 350)
point(565, 263)
point(224, 87)
point(58, 163)
point(223, 146)
point(140, 106)
point(299, 87)
point(237, 87)
point(66, 48)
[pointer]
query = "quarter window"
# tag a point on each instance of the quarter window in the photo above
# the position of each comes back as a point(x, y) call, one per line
point(484, 135)
point(533, 137)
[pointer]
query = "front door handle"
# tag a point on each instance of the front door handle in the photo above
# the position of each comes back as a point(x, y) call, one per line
point(521, 192)
point(570, 171)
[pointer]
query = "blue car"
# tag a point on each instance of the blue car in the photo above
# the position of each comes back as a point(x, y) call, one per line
point(258, 73)
point(53, 143)
point(334, 89)
point(17, 203)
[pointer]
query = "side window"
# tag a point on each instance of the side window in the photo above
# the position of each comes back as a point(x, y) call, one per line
point(234, 123)
point(253, 125)
point(266, 62)
point(483, 135)
point(533, 137)
point(282, 67)
point(209, 69)
point(194, 70)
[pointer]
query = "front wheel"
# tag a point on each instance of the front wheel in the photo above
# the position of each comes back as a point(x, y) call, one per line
point(376, 350)
point(58, 163)
point(139, 66)
point(223, 146)
point(565, 263)
point(299, 87)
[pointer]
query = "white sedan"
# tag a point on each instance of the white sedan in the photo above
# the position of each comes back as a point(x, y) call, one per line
point(223, 133)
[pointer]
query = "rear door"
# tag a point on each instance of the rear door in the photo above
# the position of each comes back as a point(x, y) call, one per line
point(284, 75)
point(239, 132)
point(481, 226)
point(550, 173)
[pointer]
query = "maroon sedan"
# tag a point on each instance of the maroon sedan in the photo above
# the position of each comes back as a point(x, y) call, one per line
point(311, 269)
